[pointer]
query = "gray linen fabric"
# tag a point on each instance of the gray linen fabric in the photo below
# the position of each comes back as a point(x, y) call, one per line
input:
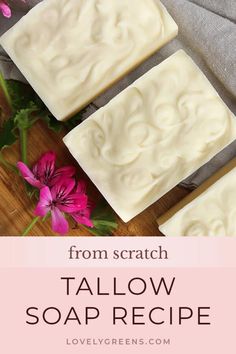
point(207, 32)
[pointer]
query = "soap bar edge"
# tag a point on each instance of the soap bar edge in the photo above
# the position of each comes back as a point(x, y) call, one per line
point(197, 192)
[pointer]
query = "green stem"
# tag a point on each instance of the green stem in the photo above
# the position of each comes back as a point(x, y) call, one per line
point(3, 85)
point(7, 164)
point(46, 217)
point(23, 144)
point(31, 225)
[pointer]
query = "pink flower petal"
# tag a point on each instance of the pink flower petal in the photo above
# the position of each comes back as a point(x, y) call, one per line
point(45, 202)
point(35, 171)
point(5, 9)
point(81, 187)
point(73, 203)
point(28, 175)
point(62, 188)
point(83, 218)
point(46, 166)
point(67, 171)
point(59, 223)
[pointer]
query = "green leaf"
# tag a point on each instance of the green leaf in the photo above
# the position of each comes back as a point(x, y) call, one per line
point(20, 94)
point(52, 123)
point(104, 220)
point(32, 192)
point(7, 136)
point(24, 118)
point(56, 125)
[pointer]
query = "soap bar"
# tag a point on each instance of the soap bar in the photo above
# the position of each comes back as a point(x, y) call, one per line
point(70, 51)
point(209, 211)
point(152, 135)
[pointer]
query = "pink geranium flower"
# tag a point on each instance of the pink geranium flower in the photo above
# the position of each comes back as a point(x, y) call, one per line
point(59, 195)
point(83, 216)
point(58, 200)
point(44, 172)
point(5, 9)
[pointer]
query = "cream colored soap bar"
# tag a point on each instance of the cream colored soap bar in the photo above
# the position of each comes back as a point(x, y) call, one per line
point(209, 211)
point(70, 51)
point(153, 135)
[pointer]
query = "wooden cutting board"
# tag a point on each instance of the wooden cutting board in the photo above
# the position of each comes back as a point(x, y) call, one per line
point(16, 209)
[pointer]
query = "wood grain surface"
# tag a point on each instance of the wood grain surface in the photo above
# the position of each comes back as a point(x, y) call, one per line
point(16, 209)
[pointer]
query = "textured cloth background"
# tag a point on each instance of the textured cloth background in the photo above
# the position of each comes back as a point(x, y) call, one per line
point(207, 32)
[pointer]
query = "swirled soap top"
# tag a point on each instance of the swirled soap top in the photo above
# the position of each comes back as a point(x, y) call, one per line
point(153, 135)
point(212, 213)
point(72, 50)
